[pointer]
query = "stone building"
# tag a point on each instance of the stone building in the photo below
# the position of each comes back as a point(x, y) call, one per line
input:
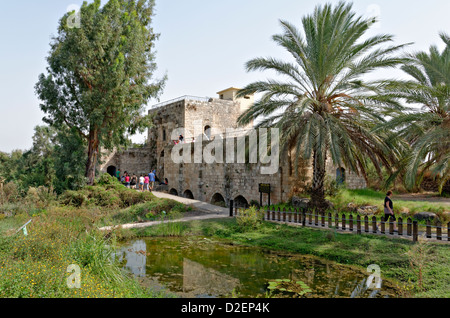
point(204, 124)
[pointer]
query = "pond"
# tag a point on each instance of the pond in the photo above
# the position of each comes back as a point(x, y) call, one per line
point(202, 268)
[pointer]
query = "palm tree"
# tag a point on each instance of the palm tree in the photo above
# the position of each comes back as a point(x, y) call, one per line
point(325, 107)
point(427, 130)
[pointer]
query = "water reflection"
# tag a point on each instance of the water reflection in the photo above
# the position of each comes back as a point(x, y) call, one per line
point(135, 256)
point(204, 268)
point(200, 280)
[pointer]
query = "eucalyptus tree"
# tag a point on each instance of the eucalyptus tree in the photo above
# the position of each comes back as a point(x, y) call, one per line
point(426, 129)
point(99, 74)
point(323, 103)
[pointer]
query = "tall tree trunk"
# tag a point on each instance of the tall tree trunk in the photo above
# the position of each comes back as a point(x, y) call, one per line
point(92, 155)
point(318, 183)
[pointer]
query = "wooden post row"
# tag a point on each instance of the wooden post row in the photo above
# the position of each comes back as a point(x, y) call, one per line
point(428, 229)
point(374, 224)
point(415, 231)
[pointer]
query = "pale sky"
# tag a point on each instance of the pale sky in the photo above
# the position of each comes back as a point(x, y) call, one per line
point(203, 47)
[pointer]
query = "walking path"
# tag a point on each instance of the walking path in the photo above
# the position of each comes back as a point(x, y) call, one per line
point(202, 211)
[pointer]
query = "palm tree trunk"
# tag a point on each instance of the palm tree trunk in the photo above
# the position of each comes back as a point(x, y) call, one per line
point(318, 201)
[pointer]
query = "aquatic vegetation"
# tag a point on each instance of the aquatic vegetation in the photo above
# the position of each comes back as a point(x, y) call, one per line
point(299, 288)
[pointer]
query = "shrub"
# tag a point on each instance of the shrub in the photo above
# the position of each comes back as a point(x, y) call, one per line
point(9, 193)
point(40, 197)
point(250, 218)
point(74, 198)
point(106, 179)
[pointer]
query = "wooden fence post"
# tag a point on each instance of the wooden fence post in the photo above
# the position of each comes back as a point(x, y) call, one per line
point(383, 224)
point(350, 222)
point(343, 222)
point(279, 214)
point(284, 216)
point(400, 226)
point(323, 219)
point(358, 224)
point(374, 224)
point(439, 231)
point(448, 231)
point(303, 217)
point(428, 229)
point(273, 214)
point(366, 224)
point(415, 231)
point(409, 227)
point(336, 220)
point(268, 213)
point(290, 215)
point(295, 215)
point(316, 218)
point(391, 227)
point(231, 208)
point(310, 218)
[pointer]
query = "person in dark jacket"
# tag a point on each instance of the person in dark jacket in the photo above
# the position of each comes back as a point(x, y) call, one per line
point(389, 209)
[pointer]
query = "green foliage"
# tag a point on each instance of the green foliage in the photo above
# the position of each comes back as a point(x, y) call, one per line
point(99, 75)
point(299, 288)
point(250, 218)
point(55, 161)
point(151, 210)
point(93, 252)
point(323, 105)
point(112, 195)
point(35, 266)
point(426, 131)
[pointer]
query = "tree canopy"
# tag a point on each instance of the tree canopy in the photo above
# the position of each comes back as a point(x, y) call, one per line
point(99, 74)
point(324, 105)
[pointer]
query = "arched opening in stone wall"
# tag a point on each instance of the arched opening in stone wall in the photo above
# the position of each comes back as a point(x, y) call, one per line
point(241, 202)
point(188, 194)
point(207, 132)
point(340, 175)
point(173, 192)
point(111, 170)
point(218, 199)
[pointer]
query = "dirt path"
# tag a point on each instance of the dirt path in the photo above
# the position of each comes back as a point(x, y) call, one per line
point(200, 211)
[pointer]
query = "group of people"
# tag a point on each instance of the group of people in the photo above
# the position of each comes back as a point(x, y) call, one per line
point(142, 183)
point(180, 140)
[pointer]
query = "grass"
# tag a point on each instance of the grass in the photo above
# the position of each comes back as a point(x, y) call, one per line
point(392, 255)
point(66, 233)
point(369, 197)
point(372, 197)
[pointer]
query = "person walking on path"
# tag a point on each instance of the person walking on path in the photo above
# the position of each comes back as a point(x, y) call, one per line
point(133, 182)
point(127, 180)
point(146, 181)
point(152, 177)
point(141, 182)
point(389, 209)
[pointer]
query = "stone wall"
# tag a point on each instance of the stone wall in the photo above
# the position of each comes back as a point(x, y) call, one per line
point(201, 180)
point(134, 161)
point(351, 179)
point(230, 180)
